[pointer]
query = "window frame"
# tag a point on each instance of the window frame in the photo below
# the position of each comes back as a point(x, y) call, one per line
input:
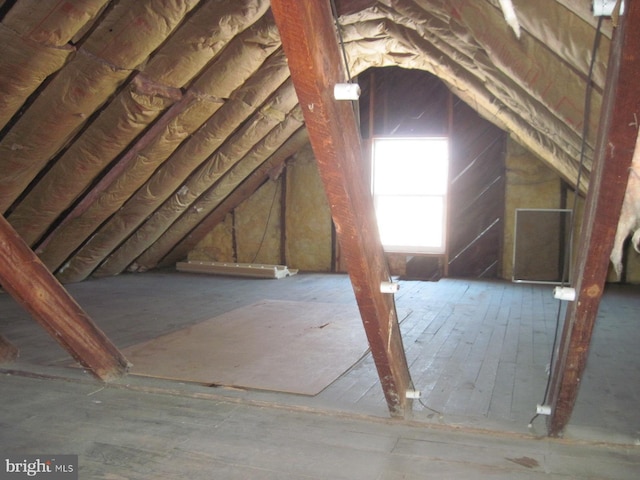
point(443, 195)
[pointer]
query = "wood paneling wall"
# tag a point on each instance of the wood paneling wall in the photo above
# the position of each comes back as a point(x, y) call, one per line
point(399, 102)
point(476, 195)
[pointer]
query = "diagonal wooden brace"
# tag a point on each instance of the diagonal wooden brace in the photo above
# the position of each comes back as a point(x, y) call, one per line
point(28, 281)
point(309, 39)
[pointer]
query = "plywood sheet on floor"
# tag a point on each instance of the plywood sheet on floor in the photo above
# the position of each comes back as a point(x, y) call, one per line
point(287, 346)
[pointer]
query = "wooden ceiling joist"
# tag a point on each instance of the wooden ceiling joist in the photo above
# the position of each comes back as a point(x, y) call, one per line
point(614, 151)
point(29, 282)
point(310, 43)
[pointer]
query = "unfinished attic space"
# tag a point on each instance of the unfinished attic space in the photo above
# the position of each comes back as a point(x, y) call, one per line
point(320, 239)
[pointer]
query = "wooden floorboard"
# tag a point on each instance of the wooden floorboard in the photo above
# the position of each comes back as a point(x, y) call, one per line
point(128, 432)
point(477, 350)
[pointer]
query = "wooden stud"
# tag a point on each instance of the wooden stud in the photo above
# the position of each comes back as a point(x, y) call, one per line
point(614, 151)
point(28, 281)
point(309, 39)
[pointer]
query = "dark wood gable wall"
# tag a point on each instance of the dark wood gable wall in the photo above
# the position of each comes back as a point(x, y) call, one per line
point(476, 195)
point(400, 102)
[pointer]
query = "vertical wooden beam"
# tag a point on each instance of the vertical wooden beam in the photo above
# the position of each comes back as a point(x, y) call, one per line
point(28, 281)
point(310, 43)
point(614, 150)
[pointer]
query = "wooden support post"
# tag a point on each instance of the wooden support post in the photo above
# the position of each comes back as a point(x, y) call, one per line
point(309, 39)
point(614, 151)
point(8, 351)
point(29, 282)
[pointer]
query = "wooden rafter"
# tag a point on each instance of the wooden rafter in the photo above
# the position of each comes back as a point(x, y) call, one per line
point(29, 282)
point(614, 151)
point(310, 43)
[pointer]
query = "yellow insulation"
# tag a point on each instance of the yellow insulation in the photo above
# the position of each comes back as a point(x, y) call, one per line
point(69, 235)
point(51, 23)
point(202, 38)
point(117, 126)
point(135, 28)
point(169, 177)
point(75, 93)
point(307, 219)
point(217, 246)
point(180, 220)
point(131, 31)
point(24, 65)
point(249, 137)
point(259, 41)
point(257, 226)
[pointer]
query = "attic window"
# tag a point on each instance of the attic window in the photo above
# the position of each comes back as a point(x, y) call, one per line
point(409, 184)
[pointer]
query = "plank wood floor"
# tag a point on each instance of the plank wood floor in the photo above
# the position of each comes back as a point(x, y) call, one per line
point(133, 433)
point(477, 350)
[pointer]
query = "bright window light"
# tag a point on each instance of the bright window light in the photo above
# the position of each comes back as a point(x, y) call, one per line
point(409, 183)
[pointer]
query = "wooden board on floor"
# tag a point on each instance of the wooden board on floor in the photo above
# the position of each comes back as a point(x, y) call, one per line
point(286, 346)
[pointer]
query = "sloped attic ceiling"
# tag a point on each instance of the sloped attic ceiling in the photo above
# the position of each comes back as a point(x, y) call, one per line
point(128, 126)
